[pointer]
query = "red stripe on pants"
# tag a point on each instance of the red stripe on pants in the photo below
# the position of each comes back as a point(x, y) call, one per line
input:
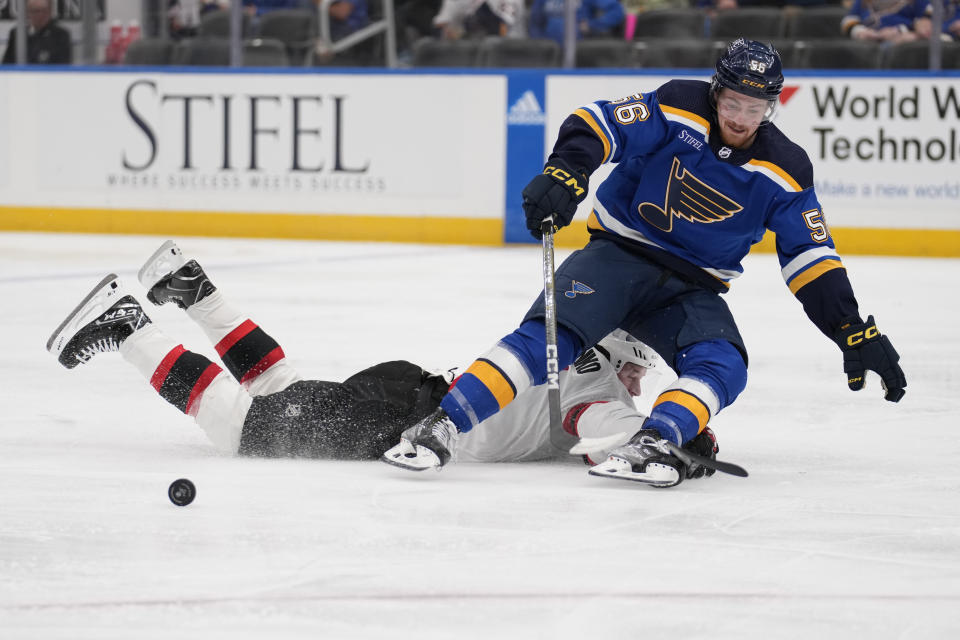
point(235, 336)
point(163, 369)
point(201, 385)
point(265, 363)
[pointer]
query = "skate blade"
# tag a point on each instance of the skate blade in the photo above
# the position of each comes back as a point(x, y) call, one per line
point(657, 475)
point(101, 298)
point(167, 259)
point(411, 457)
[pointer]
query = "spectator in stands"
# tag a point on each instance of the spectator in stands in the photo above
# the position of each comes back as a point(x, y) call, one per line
point(260, 7)
point(183, 17)
point(414, 21)
point(883, 20)
point(951, 22)
point(206, 6)
point(346, 16)
point(712, 6)
point(923, 26)
point(633, 8)
point(476, 18)
point(47, 42)
point(595, 18)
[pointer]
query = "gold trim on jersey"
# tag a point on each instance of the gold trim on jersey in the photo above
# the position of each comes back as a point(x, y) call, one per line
point(814, 272)
point(688, 401)
point(593, 222)
point(587, 117)
point(687, 117)
point(784, 178)
point(494, 380)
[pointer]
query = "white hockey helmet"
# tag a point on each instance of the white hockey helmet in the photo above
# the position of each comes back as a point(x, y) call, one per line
point(621, 348)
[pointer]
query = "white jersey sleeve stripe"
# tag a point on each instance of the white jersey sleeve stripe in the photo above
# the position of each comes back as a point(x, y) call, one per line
point(805, 259)
point(595, 109)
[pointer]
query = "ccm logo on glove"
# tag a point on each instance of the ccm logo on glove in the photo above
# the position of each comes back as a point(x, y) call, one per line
point(565, 178)
point(857, 337)
point(865, 349)
point(555, 194)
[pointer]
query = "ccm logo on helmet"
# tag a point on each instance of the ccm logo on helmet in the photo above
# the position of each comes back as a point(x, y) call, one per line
point(751, 83)
point(867, 334)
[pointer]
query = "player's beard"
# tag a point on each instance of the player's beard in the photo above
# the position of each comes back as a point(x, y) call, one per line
point(737, 136)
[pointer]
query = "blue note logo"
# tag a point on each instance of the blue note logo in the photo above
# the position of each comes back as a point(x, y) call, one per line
point(578, 287)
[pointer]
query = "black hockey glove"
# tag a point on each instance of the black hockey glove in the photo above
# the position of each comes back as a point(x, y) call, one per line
point(864, 349)
point(555, 192)
point(705, 444)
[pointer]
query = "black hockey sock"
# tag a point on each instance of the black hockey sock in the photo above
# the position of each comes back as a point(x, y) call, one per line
point(182, 377)
point(248, 351)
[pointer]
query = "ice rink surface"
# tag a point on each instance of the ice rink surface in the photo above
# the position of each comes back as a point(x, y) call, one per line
point(848, 526)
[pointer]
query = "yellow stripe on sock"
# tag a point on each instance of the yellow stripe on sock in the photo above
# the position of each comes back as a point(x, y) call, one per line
point(690, 402)
point(494, 381)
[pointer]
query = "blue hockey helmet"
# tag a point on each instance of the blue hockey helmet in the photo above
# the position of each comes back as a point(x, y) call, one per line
point(751, 68)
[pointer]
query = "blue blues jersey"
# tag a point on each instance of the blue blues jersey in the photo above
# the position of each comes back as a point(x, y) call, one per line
point(951, 15)
point(548, 18)
point(680, 196)
point(877, 14)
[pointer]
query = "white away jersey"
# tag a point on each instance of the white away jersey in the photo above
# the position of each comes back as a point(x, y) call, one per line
point(593, 403)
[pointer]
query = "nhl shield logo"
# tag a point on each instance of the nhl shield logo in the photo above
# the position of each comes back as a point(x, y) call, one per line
point(578, 287)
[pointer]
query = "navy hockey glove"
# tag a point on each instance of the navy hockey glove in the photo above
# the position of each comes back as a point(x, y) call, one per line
point(555, 192)
point(864, 349)
point(705, 444)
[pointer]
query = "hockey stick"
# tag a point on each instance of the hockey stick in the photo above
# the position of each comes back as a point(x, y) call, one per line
point(550, 320)
point(592, 445)
point(689, 457)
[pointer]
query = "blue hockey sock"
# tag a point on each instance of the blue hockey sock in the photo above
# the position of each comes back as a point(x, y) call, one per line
point(712, 375)
point(514, 364)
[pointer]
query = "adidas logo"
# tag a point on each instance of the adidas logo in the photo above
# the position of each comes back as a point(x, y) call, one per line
point(526, 110)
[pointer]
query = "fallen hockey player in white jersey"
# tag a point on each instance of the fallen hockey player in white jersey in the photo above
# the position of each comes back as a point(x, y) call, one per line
point(263, 407)
point(597, 405)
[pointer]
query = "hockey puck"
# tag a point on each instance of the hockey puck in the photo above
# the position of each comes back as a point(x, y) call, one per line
point(182, 492)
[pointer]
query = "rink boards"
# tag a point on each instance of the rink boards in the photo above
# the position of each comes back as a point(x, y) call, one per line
point(422, 156)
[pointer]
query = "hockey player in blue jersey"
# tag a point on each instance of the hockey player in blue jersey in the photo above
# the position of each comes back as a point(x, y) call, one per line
point(701, 173)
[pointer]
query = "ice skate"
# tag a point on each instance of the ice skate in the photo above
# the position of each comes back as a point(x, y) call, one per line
point(645, 458)
point(170, 277)
point(429, 444)
point(99, 324)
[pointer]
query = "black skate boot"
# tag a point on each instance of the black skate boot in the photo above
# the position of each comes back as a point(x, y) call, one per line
point(646, 458)
point(99, 324)
point(643, 459)
point(429, 444)
point(170, 277)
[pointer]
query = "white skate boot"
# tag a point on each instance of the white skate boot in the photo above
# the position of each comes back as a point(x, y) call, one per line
point(429, 444)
